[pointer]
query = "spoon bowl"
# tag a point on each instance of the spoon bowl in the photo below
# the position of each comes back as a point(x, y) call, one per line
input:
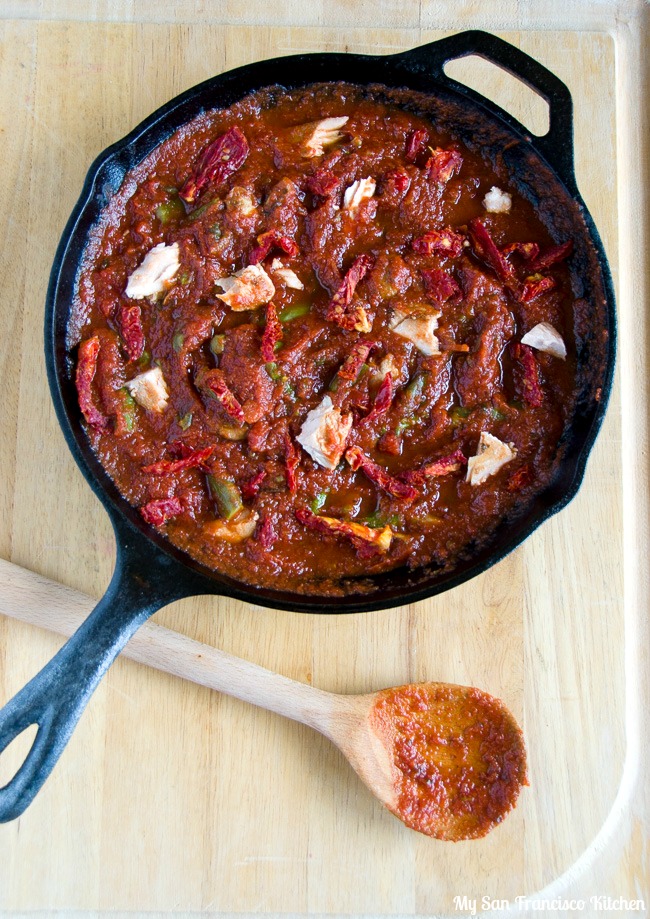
point(447, 760)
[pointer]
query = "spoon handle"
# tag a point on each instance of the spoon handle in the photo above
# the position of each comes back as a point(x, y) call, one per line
point(36, 600)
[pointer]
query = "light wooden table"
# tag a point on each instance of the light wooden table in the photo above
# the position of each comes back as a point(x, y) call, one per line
point(171, 799)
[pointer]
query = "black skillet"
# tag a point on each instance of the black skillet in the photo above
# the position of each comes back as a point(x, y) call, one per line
point(151, 573)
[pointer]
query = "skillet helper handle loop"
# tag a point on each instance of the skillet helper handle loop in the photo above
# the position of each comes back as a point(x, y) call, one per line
point(56, 697)
point(556, 146)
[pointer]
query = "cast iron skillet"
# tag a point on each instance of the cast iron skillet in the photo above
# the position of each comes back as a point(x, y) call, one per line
point(149, 571)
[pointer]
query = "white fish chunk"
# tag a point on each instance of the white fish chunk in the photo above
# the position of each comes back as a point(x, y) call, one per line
point(240, 201)
point(320, 134)
point(419, 327)
point(247, 289)
point(497, 201)
point(149, 390)
point(289, 277)
point(155, 272)
point(236, 530)
point(491, 455)
point(359, 191)
point(387, 365)
point(324, 433)
point(358, 532)
point(544, 337)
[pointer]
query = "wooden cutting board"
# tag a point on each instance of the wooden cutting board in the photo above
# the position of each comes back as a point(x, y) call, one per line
point(171, 798)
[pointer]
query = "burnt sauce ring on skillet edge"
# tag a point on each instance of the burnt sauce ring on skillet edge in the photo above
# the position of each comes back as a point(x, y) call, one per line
point(406, 81)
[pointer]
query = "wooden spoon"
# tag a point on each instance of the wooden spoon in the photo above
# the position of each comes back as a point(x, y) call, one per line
point(448, 760)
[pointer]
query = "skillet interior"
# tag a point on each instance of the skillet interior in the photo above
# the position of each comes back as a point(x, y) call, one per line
point(476, 123)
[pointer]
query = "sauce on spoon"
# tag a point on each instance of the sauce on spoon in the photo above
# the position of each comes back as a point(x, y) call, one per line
point(458, 756)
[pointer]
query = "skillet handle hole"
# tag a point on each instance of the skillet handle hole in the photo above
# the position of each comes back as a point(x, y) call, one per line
point(15, 753)
point(501, 87)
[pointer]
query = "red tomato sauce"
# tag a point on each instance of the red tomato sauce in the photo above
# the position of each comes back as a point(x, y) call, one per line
point(398, 305)
point(459, 757)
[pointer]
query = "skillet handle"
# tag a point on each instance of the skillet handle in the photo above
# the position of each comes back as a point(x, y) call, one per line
point(556, 146)
point(56, 697)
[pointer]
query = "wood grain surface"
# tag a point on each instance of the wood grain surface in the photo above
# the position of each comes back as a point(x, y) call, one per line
point(172, 798)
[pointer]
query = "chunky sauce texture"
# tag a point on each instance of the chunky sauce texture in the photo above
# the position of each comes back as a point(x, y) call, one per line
point(459, 758)
point(293, 335)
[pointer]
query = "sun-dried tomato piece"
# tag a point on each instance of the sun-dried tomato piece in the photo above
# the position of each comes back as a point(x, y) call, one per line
point(396, 183)
point(521, 479)
point(442, 466)
point(86, 368)
point(415, 143)
point(488, 251)
point(390, 443)
point(527, 251)
point(379, 476)
point(291, 461)
point(337, 310)
point(323, 182)
point(446, 241)
point(219, 159)
point(443, 164)
point(251, 488)
point(534, 286)
point(354, 318)
point(356, 272)
point(383, 399)
point(272, 334)
point(216, 383)
point(272, 239)
point(439, 285)
point(531, 389)
point(266, 533)
point(367, 541)
point(351, 367)
point(179, 449)
point(194, 460)
point(552, 256)
point(158, 512)
point(131, 330)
